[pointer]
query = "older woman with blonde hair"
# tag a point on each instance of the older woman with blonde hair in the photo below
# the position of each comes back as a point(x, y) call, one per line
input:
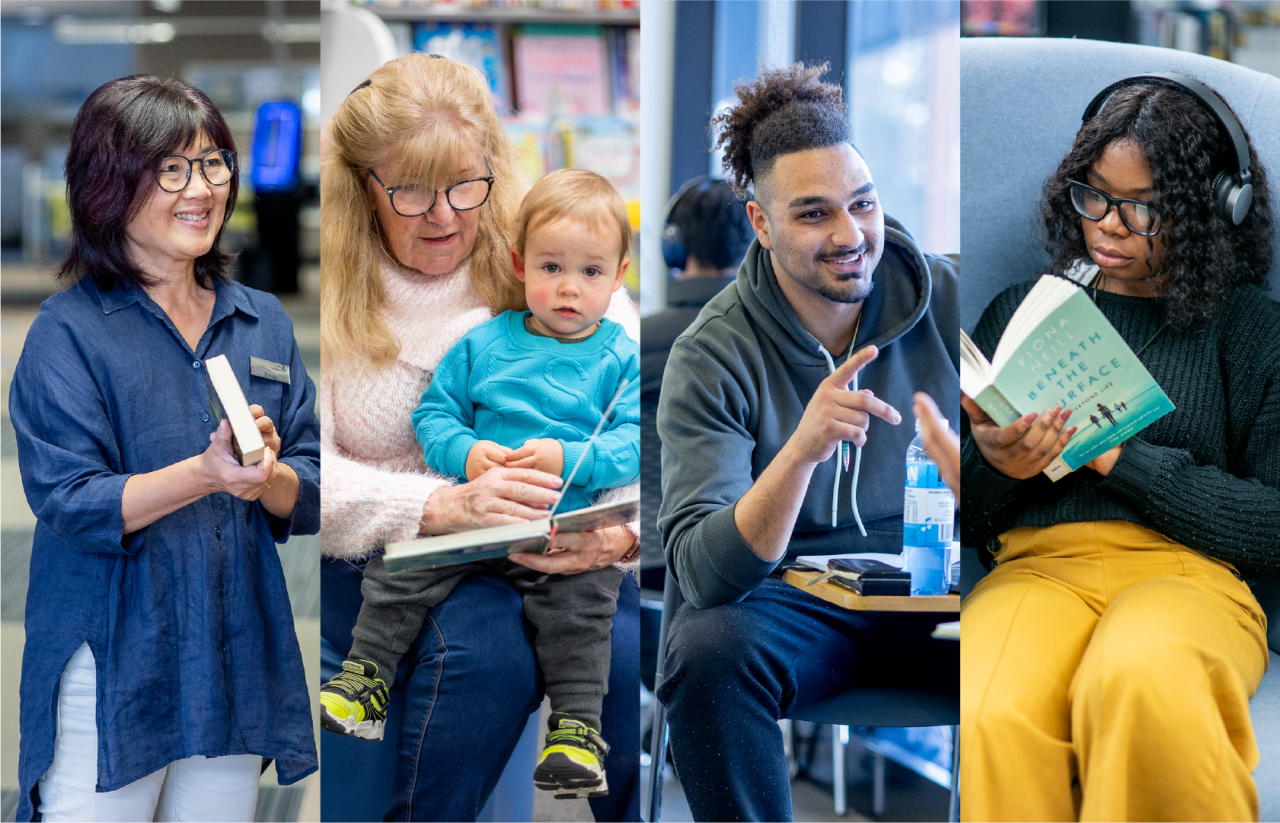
point(419, 193)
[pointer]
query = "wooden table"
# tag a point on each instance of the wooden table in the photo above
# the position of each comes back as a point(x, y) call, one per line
point(847, 599)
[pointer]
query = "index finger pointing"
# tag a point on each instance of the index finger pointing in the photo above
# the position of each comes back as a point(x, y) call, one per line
point(854, 364)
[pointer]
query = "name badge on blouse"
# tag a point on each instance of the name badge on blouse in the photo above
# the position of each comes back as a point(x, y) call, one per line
point(272, 371)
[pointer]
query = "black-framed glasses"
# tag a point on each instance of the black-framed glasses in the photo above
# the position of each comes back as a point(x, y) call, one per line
point(1138, 217)
point(465, 195)
point(216, 165)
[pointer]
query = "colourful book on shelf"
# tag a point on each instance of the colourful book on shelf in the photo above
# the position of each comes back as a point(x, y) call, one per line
point(531, 142)
point(1059, 349)
point(476, 44)
point(607, 146)
point(560, 70)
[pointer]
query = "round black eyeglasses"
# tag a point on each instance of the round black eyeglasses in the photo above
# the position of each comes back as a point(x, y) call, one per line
point(1138, 217)
point(413, 201)
point(216, 166)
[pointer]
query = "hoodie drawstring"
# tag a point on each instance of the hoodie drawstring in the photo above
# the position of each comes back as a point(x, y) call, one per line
point(839, 454)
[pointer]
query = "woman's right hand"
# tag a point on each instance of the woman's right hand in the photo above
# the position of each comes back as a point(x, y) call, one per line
point(1025, 447)
point(223, 472)
point(499, 497)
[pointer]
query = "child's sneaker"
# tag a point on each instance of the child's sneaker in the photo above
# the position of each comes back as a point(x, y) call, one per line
point(354, 702)
point(572, 761)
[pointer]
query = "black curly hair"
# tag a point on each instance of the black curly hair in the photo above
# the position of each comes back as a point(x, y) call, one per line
point(1204, 257)
point(782, 111)
point(713, 224)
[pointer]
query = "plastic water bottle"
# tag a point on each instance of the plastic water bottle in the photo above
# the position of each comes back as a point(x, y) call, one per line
point(928, 514)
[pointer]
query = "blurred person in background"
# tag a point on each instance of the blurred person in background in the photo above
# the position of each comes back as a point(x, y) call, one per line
point(705, 236)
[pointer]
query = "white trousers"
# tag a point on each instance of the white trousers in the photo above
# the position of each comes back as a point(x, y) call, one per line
point(194, 789)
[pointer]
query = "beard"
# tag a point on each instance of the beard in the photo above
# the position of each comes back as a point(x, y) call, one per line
point(853, 289)
point(808, 271)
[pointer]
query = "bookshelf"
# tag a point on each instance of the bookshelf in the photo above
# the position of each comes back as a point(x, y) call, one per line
point(505, 14)
point(565, 76)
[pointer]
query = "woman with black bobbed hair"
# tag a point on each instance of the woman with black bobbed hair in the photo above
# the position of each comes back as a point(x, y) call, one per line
point(161, 666)
point(1108, 659)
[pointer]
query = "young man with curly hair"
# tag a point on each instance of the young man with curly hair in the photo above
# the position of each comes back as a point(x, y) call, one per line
point(782, 436)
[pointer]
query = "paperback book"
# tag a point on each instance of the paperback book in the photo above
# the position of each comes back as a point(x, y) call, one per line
point(500, 541)
point(1059, 349)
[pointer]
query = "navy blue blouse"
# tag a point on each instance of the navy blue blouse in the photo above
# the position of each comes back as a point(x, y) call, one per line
point(188, 618)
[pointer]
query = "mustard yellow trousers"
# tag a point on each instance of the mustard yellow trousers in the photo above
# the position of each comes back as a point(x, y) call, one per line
point(1105, 674)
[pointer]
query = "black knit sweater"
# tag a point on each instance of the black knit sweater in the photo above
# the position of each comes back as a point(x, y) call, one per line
point(1206, 475)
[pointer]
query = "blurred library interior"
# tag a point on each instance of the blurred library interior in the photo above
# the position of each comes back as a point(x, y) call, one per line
point(565, 74)
point(1245, 33)
point(259, 61)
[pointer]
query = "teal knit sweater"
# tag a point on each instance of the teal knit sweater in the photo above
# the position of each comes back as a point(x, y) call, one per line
point(503, 384)
point(1206, 475)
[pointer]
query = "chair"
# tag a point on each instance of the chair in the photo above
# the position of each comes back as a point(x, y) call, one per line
point(1022, 100)
point(884, 707)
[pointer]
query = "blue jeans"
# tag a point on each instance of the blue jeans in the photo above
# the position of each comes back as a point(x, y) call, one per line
point(473, 665)
point(734, 670)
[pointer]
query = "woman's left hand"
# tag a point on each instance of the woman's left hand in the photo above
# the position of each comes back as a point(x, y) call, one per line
point(580, 551)
point(1104, 462)
point(269, 434)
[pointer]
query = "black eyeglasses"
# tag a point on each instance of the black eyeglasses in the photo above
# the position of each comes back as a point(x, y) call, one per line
point(412, 201)
point(216, 166)
point(1138, 217)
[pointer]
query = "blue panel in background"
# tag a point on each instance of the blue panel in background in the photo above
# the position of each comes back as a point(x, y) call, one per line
point(39, 73)
point(277, 147)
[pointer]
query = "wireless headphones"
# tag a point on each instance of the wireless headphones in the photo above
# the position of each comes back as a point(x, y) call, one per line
point(1231, 189)
point(674, 253)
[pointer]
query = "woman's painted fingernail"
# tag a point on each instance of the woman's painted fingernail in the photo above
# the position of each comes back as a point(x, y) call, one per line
point(1065, 415)
point(1030, 418)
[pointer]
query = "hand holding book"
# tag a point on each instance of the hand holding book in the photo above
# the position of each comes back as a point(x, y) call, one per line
point(1025, 447)
point(1059, 347)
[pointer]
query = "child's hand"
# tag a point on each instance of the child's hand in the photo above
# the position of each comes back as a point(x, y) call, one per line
point(270, 437)
point(485, 455)
point(543, 454)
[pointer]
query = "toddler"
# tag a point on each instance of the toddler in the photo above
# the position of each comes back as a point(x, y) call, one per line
point(526, 390)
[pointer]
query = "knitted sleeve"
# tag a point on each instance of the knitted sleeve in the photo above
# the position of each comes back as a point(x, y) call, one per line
point(444, 423)
point(362, 507)
point(1232, 514)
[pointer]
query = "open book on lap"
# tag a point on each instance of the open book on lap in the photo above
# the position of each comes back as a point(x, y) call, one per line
point(500, 541)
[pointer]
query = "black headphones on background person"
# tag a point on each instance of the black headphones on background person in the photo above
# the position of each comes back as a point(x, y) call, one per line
point(674, 253)
point(1231, 189)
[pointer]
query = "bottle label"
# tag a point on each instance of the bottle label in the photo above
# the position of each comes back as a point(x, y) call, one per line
point(927, 516)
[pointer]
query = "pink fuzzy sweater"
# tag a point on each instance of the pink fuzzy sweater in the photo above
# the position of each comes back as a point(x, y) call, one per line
point(373, 478)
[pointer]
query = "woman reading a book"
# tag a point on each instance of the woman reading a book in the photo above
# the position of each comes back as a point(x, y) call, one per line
point(1109, 657)
point(402, 285)
point(161, 666)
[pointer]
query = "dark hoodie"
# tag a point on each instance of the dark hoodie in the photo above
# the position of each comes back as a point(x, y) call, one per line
point(736, 386)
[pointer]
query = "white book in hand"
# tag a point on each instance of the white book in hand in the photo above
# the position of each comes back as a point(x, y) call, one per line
point(500, 541)
point(226, 399)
